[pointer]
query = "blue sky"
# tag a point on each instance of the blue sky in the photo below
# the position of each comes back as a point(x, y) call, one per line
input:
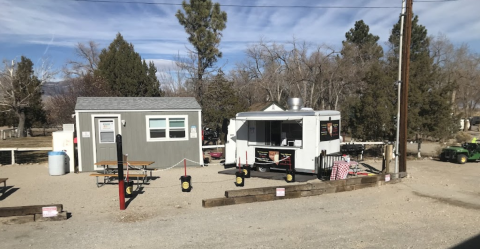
point(51, 28)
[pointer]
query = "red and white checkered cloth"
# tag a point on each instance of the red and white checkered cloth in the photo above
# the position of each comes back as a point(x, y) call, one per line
point(339, 170)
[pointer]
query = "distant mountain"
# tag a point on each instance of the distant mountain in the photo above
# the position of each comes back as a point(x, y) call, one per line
point(54, 88)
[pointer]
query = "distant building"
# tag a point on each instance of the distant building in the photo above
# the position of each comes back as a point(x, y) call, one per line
point(266, 107)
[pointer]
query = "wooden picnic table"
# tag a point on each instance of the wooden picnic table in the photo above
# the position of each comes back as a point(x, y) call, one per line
point(113, 165)
point(110, 169)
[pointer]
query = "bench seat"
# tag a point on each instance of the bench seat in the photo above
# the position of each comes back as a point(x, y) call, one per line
point(108, 176)
point(116, 175)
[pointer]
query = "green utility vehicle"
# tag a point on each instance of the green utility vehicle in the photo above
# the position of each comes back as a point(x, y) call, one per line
point(461, 154)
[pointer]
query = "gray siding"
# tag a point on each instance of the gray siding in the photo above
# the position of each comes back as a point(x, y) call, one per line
point(164, 153)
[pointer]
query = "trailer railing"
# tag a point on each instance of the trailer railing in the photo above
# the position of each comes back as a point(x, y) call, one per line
point(324, 164)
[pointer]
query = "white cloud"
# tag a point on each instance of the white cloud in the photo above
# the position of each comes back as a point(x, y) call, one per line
point(163, 65)
point(155, 31)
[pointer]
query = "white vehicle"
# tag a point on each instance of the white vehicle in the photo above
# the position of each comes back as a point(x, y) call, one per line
point(283, 139)
point(462, 124)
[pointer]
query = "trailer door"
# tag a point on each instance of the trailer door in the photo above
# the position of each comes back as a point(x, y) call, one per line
point(231, 143)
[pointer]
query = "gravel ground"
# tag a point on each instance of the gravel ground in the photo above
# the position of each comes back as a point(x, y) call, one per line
point(436, 206)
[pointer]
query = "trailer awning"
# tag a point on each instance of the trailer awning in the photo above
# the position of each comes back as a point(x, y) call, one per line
point(268, 118)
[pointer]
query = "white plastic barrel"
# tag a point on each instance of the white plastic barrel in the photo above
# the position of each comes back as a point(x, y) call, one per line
point(56, 163)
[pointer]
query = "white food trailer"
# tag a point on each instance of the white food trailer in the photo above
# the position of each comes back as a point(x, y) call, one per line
point(282, 139)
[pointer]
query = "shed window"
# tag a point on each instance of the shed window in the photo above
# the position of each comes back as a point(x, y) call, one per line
point(158, 127)
point(107, 131)
point(166, 128)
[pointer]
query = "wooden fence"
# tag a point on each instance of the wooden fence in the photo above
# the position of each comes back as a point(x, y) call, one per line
point(24, 149)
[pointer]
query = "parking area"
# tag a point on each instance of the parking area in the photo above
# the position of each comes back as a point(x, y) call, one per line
point(436, 206)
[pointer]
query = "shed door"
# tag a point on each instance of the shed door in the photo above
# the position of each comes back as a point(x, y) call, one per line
point(106, 148)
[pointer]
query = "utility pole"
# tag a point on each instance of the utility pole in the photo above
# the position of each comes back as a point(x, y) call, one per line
point(404, 98)
point(399, 82)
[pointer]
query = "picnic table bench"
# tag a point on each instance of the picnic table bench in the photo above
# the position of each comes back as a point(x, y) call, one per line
point(4, 180)
point(110, 170)
point(108, 177)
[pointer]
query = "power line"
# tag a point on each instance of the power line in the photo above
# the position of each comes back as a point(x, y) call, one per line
point(262, 6)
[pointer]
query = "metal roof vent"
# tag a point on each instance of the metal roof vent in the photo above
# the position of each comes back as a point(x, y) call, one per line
point(295, 104)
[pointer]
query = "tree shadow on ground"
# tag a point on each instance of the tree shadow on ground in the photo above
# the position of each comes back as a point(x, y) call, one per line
point(473, 242)
point(370, 168)
point(8, 191)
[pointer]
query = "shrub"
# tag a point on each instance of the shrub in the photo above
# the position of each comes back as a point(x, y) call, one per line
point(463, 137)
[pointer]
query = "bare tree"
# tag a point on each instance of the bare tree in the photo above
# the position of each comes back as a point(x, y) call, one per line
point(266, 65)
point(20, 87)
point(294, 70)
point(458, 68)
point(88, 54)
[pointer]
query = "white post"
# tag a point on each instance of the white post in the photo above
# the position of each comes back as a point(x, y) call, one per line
point(13, 156)
point(402, 19)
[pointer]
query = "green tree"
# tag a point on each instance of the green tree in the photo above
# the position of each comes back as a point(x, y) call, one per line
point(369, 110)
point(429, 111)
point(374, 114)
point(221, 102)
point(125, 72)
point(203, 22)
point(21, 95)
point(366, 42)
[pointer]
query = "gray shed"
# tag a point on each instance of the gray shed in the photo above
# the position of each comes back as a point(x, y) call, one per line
point(160, 129)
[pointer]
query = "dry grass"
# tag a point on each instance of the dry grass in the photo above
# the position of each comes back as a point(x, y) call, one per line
point(27, 142)
point(23, 157)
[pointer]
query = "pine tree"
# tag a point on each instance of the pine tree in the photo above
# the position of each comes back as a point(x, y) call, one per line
point(221, 101)
point(429, 110)
point(366, 42)
point(125, 72)
point(204, 23)
point(374, 113)
point(369, 111)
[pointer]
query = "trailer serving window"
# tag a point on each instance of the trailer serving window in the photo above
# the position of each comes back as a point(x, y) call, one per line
point(275, 132)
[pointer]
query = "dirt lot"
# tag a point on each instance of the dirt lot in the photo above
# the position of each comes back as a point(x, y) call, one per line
point(437, 206)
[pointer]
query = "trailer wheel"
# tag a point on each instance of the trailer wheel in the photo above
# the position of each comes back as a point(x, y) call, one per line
point(262, 168)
